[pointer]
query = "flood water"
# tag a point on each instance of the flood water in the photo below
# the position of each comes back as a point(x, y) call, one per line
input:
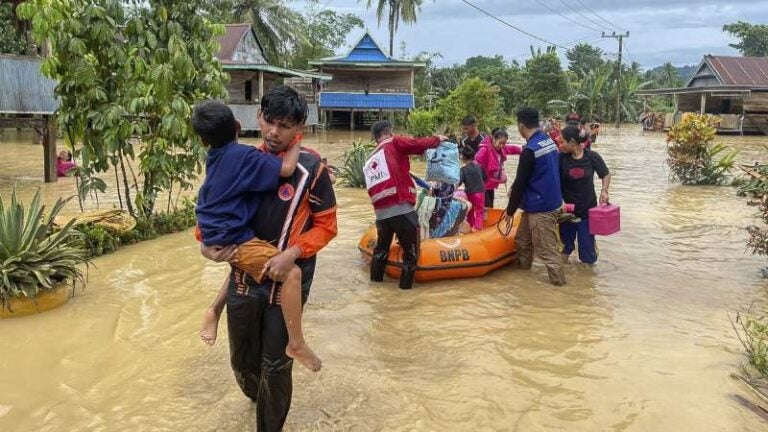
point(639, 342)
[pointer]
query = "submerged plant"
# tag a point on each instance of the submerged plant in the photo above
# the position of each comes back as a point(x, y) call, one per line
point(353, 160)
point(752, 332)
point(692, 158)
point(32, 256)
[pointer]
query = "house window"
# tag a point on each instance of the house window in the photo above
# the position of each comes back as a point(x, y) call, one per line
point(248, 91)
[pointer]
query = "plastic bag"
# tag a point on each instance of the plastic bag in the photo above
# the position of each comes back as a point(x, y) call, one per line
point(443, 163)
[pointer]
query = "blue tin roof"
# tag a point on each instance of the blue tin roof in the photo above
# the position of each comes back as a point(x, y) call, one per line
point(366, 101)
point(366, 51)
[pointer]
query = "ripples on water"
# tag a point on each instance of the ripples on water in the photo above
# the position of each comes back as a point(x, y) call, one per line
point(640, 341)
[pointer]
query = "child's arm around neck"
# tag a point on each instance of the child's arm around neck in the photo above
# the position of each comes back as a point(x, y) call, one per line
point(290, 159)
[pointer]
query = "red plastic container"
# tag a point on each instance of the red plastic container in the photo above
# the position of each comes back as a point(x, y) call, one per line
point(604, 220)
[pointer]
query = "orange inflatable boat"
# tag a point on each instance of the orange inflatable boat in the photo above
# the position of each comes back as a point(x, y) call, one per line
point(463, 256)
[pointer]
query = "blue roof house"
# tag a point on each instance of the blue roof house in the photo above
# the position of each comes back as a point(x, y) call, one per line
point(365, 81)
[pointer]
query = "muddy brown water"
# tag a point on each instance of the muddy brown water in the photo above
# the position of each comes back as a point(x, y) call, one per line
point(639, 342)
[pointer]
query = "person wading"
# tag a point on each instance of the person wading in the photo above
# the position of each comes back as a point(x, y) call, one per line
point(536, 190)
point(300, 219)
point(393, 195)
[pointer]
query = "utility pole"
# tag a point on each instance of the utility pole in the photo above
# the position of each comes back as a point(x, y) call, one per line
point(620, 37)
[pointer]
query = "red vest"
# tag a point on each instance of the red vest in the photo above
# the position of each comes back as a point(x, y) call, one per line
point(387, 176)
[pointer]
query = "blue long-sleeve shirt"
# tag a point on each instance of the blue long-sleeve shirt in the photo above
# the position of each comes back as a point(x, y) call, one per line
point(236, 174)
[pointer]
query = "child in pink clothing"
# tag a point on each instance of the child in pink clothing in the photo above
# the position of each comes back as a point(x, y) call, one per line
point(473, 178)
point(491, 158)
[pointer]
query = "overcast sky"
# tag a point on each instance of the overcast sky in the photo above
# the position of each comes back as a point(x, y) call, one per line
point(680, 31)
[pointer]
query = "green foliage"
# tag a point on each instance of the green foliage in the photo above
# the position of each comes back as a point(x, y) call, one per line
point(278, 27)
point(352, 163)
point(583, 58)
point(545, 81)
point(473, 97)
point(422, 123)
point(12, 41)
point(326, 30)
point(99, 240)
point(691, 155)
point(753, 335)
point(32, 256)
point(136, 87)
point(753, 38)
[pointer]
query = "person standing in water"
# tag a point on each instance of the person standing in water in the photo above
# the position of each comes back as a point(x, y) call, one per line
point(473, 178)
point(578, 167)
point(300, 220)
point(393, 195)
point(536, 190)
point(472, 138)
point(491, 158)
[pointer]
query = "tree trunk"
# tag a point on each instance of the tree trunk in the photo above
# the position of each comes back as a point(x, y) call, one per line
point(392, 17)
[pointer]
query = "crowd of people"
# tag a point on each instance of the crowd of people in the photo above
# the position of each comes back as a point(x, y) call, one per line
point(268, 210)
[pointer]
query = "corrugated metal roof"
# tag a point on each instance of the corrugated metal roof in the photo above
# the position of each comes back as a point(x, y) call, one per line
point(366, 101)
point(23, 88)
point(740, 71)
point(230, 65)
point(231, 39)
point(366, 52)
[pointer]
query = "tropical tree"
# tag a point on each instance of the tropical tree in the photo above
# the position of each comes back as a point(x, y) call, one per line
point(544, 79)
point(583, 58)
point(473, 97)
point(326, 30)
point(395, 10)
point(135, 87)
point(753, 38)
point(12, 31)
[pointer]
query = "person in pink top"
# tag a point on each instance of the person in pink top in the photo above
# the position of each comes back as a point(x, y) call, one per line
point(491, 157)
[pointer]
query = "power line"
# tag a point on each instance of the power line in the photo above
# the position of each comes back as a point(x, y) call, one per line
point(512, 26)
point(579, 12)
point(603, 19)
point(567, 17)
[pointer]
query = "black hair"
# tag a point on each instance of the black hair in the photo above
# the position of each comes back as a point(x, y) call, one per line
point(529, 117)
point(499, 133)
point(469, 121)
point(381, 128)
point(573, 133)
point(467, 153)
point(284, 103)
point(214, 122)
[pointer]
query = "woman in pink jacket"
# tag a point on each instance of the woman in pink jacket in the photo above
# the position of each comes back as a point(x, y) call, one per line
point(491, 157)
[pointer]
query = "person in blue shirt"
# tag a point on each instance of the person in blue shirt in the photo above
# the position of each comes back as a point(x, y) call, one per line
point(236, 176)
point(536, 190)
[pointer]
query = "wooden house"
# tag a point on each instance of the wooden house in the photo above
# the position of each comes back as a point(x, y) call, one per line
point(250, 75)
point(365, 81)
point(733, 88)
point(27, 100)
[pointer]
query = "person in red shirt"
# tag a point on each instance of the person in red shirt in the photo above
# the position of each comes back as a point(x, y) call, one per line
point(393, 195)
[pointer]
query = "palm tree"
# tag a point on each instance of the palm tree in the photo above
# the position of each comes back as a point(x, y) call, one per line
point(277, 26)
point(396, 10)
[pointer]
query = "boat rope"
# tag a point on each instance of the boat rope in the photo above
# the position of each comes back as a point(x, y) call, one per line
point(505, 225)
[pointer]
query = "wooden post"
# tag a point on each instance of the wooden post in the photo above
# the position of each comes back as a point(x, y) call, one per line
point(49, 150)
point(703, 103)
point(413, 79)
point(352, 120)
point(261, 85)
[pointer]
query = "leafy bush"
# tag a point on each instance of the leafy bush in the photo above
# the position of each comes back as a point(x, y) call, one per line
point(473, 97)
point(422, 123)
point(32, 256)
point(691, 155)
point(353, 160)
point(99, 240)
point(753, 335)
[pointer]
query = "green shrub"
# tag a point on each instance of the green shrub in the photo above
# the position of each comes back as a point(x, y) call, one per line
point(422, 123)
point(753, 335)
point(473, 97)
point(692, 158)
point(98, 240)
point(352, 163)
point(32, 256)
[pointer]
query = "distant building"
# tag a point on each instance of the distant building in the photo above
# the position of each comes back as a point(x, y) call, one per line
point(365, 82)
point(243, 59)
point(734, 88)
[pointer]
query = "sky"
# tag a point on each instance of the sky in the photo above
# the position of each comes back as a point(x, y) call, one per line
point(679, 31)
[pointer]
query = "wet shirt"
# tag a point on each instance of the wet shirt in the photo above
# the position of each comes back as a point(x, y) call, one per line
point(577, 180)
point(473, 178)
point(230, 196)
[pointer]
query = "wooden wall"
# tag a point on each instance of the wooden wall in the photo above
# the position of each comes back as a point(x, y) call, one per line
point(236, 85)
point(378, 81)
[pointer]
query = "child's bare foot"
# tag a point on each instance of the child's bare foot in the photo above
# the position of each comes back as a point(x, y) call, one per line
point(304, 355)
point(210, 326)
